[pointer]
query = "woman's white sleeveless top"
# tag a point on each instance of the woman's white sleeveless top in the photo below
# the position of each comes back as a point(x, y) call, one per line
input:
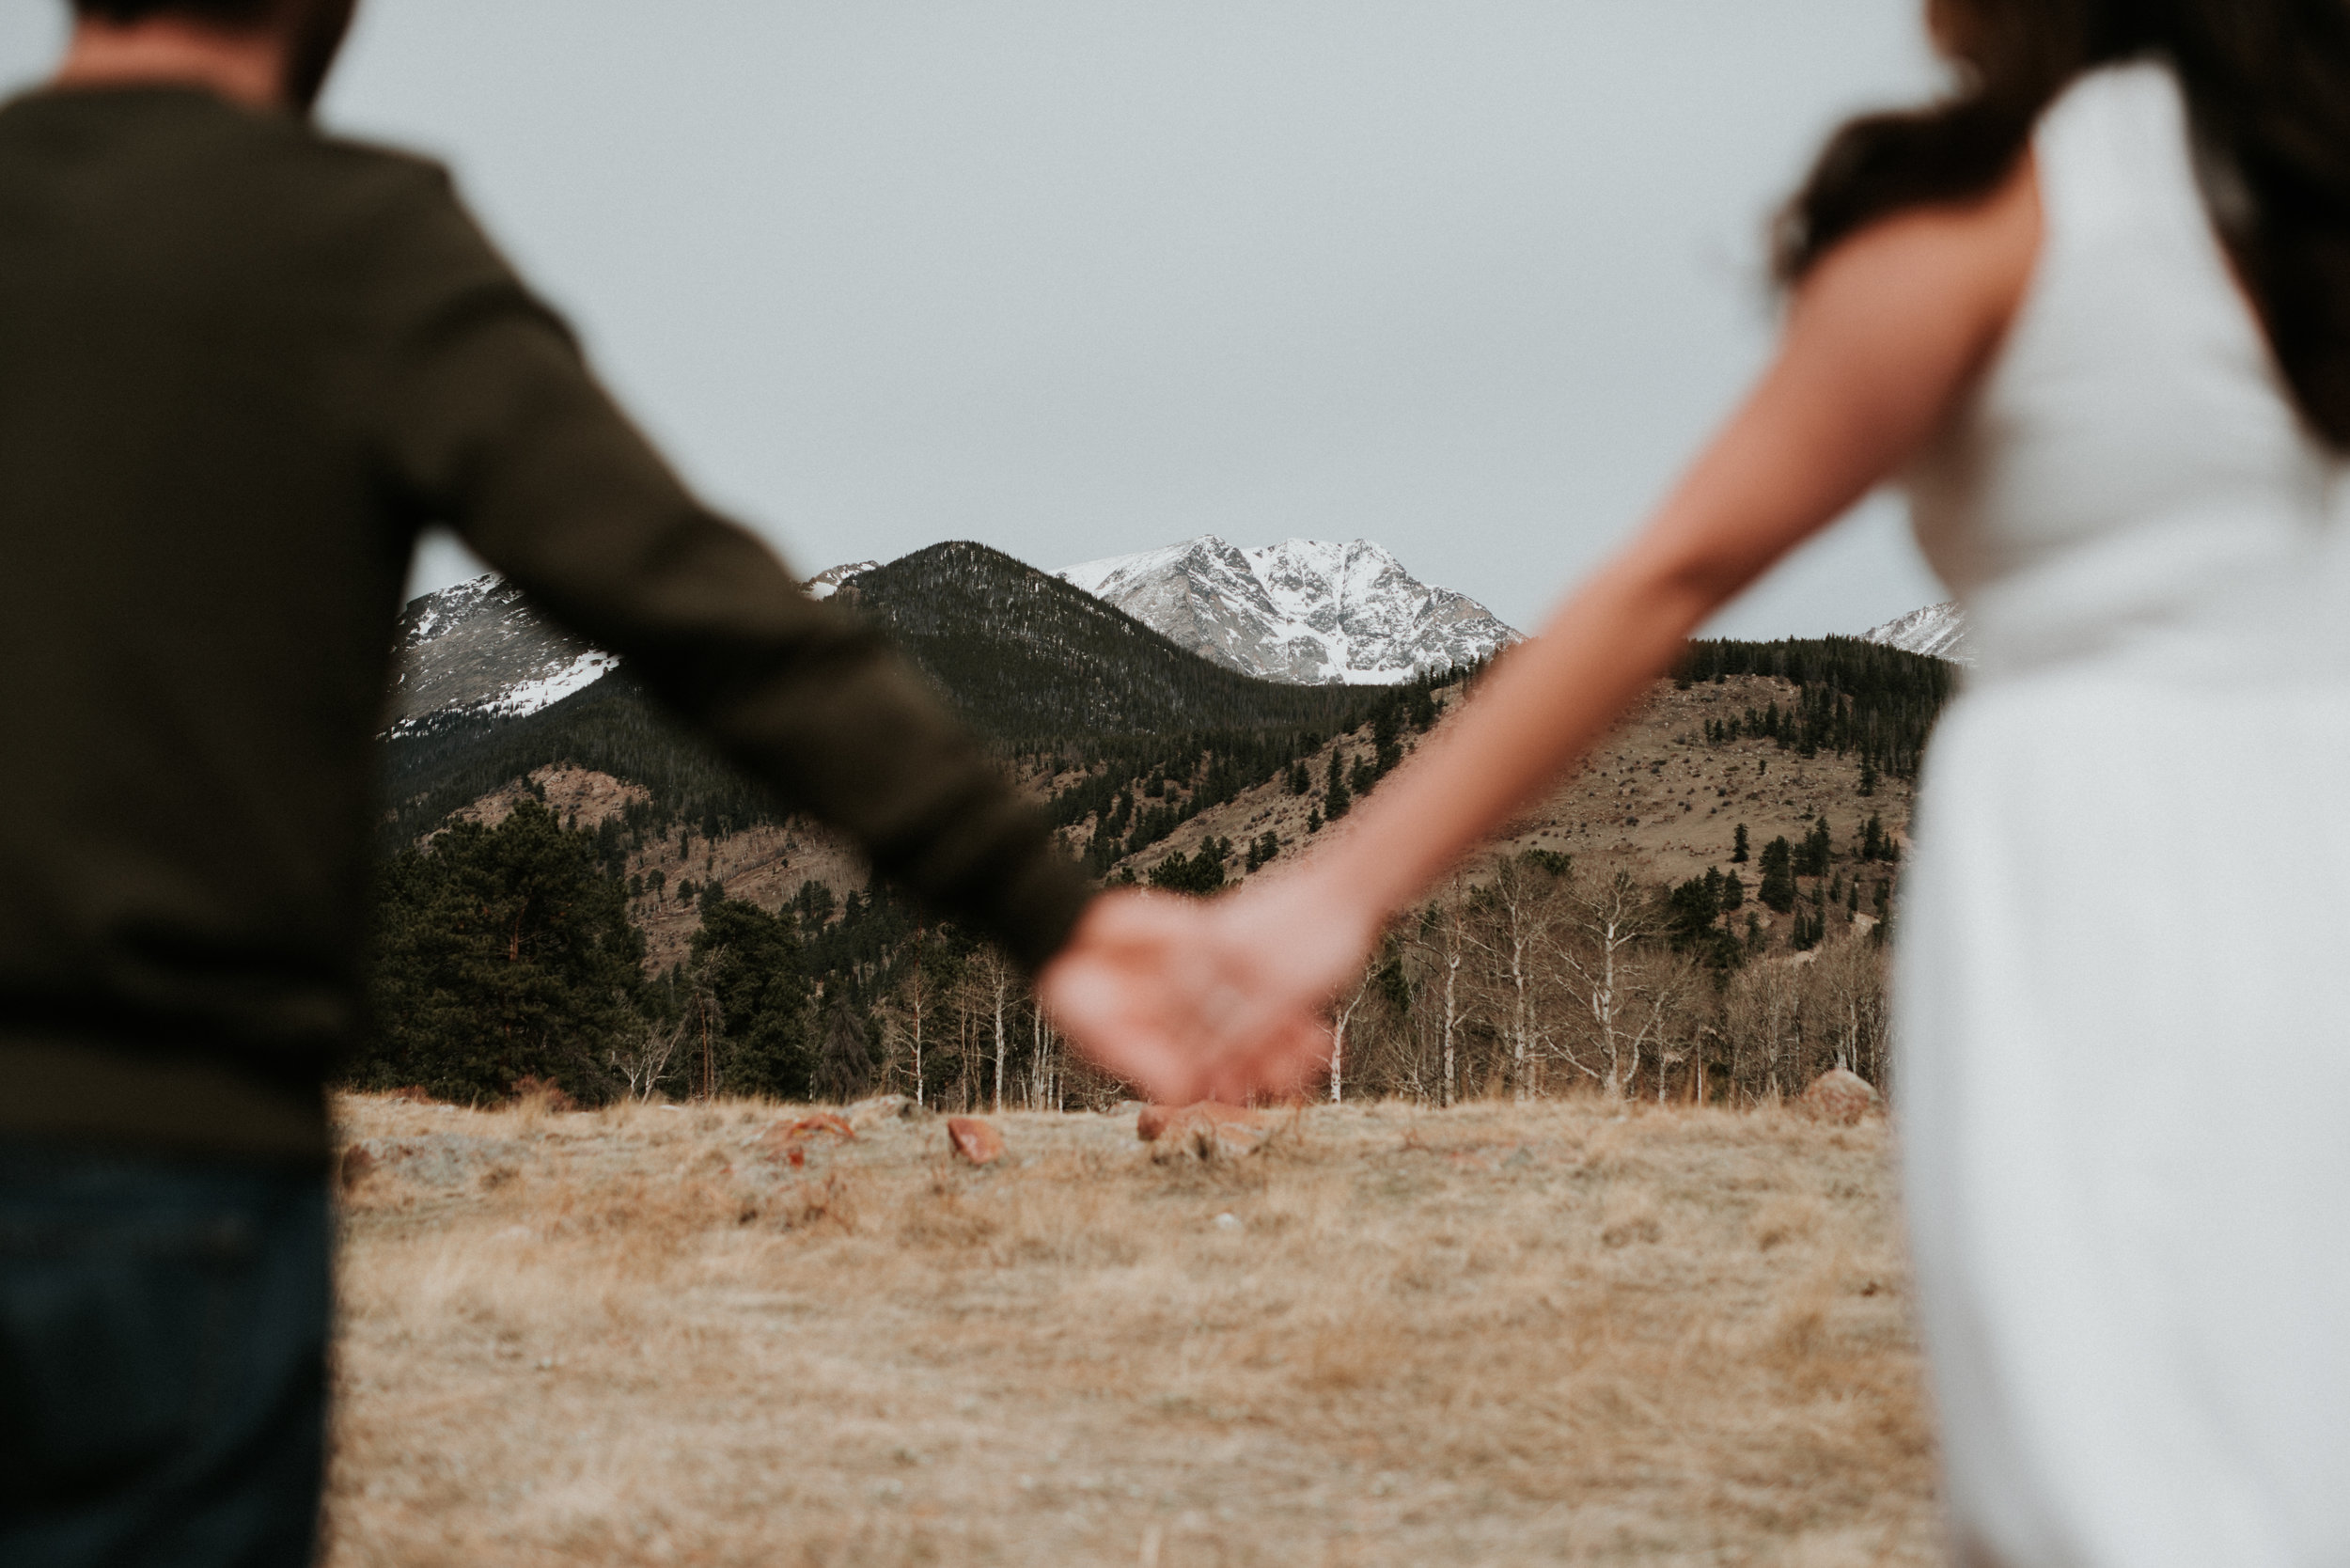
point(2123, 1008)
point(2132, 474)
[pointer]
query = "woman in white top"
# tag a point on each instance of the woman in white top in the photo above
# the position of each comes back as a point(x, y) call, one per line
point(2096, 311)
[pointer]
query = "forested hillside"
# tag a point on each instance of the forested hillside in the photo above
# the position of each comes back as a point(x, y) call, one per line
point(1852, 697)
point(1739, 838)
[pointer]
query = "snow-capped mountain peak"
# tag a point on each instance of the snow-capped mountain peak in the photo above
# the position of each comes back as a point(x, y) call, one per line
point(1939, 630)
point(481, 649)
point(1307, 611)
point(827, 582)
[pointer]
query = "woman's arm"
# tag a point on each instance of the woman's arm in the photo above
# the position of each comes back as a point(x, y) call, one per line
point(1883, 338)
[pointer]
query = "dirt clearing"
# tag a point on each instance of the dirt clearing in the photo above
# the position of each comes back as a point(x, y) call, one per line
point(1495, 1335)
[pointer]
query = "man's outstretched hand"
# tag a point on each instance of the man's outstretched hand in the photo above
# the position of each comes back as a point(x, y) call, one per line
point(1151, 988)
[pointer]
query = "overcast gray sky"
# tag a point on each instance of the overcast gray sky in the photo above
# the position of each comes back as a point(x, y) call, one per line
point(1076, 277)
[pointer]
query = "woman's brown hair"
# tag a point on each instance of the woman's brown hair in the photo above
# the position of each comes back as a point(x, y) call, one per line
point(2268, 84)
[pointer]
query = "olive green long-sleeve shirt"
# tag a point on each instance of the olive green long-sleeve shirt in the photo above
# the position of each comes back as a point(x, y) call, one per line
point(242, 365)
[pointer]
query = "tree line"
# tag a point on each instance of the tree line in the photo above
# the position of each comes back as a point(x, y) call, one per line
point(1850, 697)
point(505, 954)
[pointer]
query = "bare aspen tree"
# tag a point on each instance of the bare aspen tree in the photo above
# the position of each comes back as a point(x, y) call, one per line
point(1042, 1096)
point(1614, 915)
point(1664, 983)
point(1763, 1014)
point(1521, 907)
point(1848, 982)
point(643, 1060)
point(1447, 953)
point(913, 1003)
point(918, 997)
point(998, 978)
point(1338, 1037)
point(983, 996)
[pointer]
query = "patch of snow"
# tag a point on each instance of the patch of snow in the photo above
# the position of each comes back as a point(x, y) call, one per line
point(827, 582)
point(479, 648)
point(531, 696)
point(1938, 630)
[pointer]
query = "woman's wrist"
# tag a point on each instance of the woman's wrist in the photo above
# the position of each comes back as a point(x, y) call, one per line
point(1343, 890)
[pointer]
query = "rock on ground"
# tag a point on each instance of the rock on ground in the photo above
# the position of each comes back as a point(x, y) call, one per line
point(1840, 1096)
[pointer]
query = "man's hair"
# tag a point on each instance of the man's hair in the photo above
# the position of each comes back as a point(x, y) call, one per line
point(125, 11)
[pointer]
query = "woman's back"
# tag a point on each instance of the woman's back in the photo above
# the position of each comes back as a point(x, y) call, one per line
point(2121, 965)
point(2131, 478)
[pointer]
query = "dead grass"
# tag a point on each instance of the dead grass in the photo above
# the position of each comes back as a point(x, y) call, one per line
point(1494, 1335)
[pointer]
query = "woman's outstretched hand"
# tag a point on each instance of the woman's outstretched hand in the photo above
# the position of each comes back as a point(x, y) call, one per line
point(1191, 1000)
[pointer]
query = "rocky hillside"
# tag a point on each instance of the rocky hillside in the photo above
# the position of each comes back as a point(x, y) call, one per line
point(1304, 610)
point(1663, 798)
point(1657, 798)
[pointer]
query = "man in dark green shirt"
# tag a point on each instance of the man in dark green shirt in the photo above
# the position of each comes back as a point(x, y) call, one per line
point(242, 365)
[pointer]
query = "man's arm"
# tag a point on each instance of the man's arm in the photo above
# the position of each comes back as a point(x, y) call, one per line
point(489, 420)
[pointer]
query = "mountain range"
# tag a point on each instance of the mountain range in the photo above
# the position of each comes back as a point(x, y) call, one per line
point(1307, 611)
point(1005, 640)
point(487, 691)
point(1139, 751)
point(1300, 613)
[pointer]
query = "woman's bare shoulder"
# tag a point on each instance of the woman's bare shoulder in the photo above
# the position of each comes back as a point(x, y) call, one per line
point(1947, 278)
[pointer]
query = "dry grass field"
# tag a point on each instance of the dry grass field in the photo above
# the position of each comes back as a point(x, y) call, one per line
point(1494, 1335)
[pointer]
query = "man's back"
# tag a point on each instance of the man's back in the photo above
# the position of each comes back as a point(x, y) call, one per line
point(240, 365)
point(197, 564)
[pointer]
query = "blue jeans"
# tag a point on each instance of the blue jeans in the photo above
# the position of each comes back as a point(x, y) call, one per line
point(163, 1361)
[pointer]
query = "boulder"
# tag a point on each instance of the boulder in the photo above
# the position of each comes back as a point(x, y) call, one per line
point(974, 1139)
point(1840, 1097)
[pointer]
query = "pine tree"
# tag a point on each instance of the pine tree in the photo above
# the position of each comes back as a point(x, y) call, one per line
point(1263, 852)
point(1335, 801)
point(1779, 875)
point(1202, 872)
point(1738, 849)
point(500, 954)
point(1812, 859)
point(844, 1062)
point(749, 964)
point(1385, 747)
point(1422, 710)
